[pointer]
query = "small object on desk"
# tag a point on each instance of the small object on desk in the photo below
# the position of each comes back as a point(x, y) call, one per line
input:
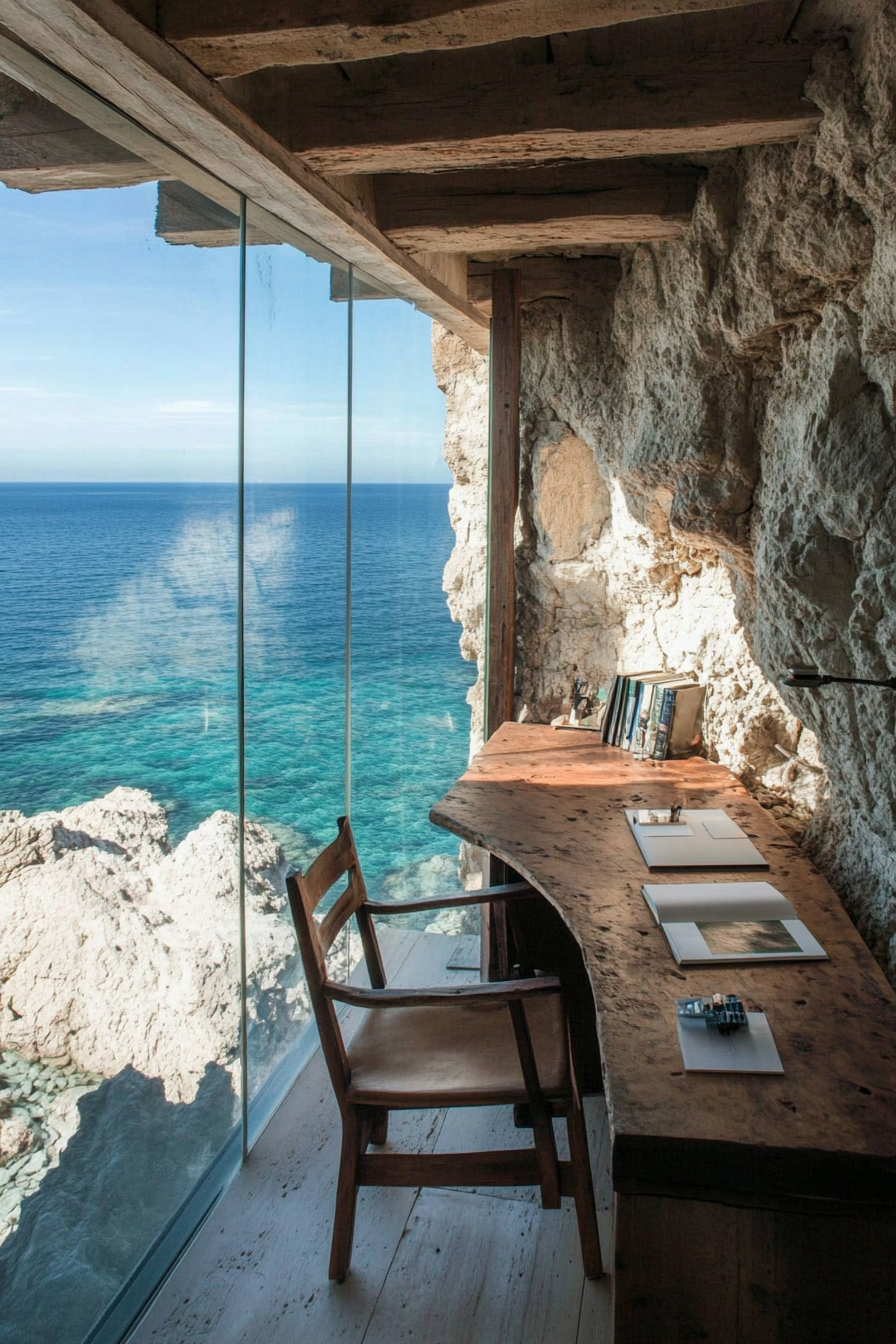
point(711, 839)
point(725, 1012)
point(586, 710)
point(661, 816)
point(751, 1050)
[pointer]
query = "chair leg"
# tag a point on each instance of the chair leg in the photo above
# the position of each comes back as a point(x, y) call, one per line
point(379, 1130)
point(586, 1206)
point(346, 1198)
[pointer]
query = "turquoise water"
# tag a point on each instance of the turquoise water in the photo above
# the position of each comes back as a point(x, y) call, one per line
point(118, 636)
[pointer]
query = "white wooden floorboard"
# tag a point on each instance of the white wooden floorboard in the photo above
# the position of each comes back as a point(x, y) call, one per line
point(595, 1321)
point(438, 1267)
point(476, 1270)
point(257, 1270)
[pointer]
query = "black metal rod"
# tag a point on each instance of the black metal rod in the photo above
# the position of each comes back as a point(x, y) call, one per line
point(809, 679)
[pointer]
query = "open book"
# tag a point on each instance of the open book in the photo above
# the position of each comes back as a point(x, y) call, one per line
point(728, 922)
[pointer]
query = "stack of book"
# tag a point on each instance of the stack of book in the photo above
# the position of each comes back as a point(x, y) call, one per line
point(667, 709)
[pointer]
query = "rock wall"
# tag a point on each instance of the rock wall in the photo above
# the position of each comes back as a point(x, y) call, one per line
point(709, 473)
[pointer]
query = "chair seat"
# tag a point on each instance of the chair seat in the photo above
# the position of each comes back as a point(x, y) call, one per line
point(455, 1055)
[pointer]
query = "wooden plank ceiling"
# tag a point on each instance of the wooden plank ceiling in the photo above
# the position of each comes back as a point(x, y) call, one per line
point(467, 132)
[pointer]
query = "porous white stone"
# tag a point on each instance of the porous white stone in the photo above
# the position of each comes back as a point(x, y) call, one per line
point(708, 477)
point(85, 974)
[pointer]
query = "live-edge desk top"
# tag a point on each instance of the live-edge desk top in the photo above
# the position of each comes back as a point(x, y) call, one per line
point(550, 804)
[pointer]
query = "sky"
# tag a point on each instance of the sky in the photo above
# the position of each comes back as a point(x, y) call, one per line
point(118, 357)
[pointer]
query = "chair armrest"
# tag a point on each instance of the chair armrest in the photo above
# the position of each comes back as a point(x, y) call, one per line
point(509, 891)
point(498, 991)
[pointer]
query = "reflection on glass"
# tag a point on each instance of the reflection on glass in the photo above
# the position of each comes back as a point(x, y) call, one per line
point(296, 426)
point(119, 1004)
point(410, 720)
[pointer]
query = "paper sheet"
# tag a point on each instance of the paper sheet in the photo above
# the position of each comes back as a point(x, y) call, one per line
point(750, 1050)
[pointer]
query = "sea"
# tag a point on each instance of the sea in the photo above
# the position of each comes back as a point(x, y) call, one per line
point(118, 631)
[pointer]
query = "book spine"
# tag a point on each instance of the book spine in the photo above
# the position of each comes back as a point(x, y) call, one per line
point(617, 710)
point(610, 710)
point(631, 701)
point(664, 724)
point(631, 718)
point(686, 730)
point(653, 717)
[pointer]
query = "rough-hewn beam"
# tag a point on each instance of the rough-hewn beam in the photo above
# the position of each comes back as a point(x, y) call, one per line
point(584, 204)
point(503, 497)
point(458, 109)
point(42, 148)
point(185, 216)
point(114, 55)
point(545, 277)
point(235, 37)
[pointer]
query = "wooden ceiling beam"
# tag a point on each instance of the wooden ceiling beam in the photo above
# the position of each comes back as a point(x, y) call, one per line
point(116, 57)
point(236, 37)
point(582, 204)
point(42, 148)
point(448, 110)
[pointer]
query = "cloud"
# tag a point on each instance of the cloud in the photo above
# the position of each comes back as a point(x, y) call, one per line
point(178, 616)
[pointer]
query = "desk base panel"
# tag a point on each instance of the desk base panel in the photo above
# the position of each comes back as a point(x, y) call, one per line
point(688, 1270)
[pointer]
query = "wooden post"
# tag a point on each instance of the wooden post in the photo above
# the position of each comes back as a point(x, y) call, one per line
point(500, 607)
point(503, 497)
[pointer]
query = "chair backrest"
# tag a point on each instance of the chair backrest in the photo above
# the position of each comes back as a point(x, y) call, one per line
point(316, 937)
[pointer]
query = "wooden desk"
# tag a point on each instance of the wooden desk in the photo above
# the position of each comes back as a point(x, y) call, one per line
point(746, 1208)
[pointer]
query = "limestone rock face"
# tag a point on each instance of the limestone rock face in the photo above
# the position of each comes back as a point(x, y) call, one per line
point(462, 375)
point(708, 479)
point(117, 951)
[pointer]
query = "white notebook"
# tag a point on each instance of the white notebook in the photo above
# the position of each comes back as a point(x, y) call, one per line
point(702, 838)
point(750, 1050)
point(729, 923)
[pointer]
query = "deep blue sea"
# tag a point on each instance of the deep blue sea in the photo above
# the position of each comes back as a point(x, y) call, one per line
point(118, 647)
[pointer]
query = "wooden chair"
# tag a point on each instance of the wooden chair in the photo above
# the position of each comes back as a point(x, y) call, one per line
point(504, 1042)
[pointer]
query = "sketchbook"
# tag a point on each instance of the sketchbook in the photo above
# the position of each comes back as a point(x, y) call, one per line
point(750, 1050)
point(701, 838)
point(724, 923)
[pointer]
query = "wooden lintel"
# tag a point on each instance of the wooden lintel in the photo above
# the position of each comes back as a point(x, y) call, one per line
point(585, 204)
point(510, 105)
point(235, 37)
point(503, 497)
point(546, 278)
point(135, 71)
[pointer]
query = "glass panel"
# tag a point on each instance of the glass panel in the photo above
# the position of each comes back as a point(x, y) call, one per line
point(296, 429)
point(410, 720)
point(119, 956)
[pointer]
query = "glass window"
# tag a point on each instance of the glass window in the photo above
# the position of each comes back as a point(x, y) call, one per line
point(410, 719)
point(119, 918)
point(295, 549)
point(161, 343)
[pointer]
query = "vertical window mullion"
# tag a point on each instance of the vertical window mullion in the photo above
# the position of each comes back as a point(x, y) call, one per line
point(241, 686)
